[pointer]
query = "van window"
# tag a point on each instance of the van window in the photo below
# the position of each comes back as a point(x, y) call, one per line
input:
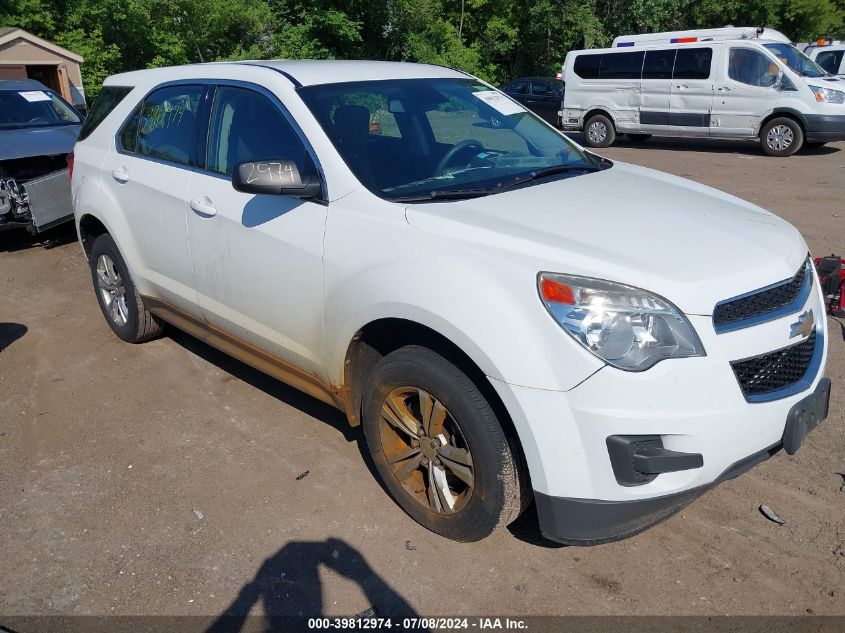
point(247, 126)
point(830, 60)
point(658, 64)
point(621, 65)
point(588, 66)
point(752, 67)
point(693, 63)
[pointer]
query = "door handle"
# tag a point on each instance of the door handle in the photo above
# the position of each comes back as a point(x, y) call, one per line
point(120, 174)
point(724, 89)
point(682, 86)
point(203, 206)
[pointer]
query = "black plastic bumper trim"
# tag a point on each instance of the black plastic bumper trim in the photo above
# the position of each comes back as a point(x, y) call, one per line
point(594, 521)
point(638, 459)
point(825, 127)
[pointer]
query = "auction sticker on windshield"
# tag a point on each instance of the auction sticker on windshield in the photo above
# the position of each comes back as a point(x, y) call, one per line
point(34, 95)
point(499, 102)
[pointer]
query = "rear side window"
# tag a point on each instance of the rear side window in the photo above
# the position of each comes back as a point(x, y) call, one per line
point(588, 66)
point(830, 61)
point(541, 88)
point(658, 64)
point(105, 102)
point(693, 63)
point(518, 88)
point(168, 124)
point(621, 65)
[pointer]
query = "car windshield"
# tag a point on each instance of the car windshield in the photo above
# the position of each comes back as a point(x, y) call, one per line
point(796, 60)
point(440, 138)
point(34, 109)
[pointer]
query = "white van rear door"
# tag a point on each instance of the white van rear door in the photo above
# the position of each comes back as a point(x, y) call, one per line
point(746, 91)
point(691, 96)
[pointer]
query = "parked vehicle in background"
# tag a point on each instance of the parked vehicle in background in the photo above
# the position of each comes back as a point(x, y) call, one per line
point(542, 95)
point(507, 315)
point(831, 58)
point(700, 35)
point(689, 87)
point(37, 132)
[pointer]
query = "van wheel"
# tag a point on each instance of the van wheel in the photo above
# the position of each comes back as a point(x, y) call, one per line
point(639, 138)
point(781, 137)
point(439, 448)
point(599, 131)
point(118, 298)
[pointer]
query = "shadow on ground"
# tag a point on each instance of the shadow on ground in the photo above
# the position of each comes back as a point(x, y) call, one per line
point(288, 589)
point(20, 240)
point(11, 332)
point(712, 146)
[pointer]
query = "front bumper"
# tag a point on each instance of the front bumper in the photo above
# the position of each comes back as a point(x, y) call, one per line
point(595, 521)
point(825, 127)
point(695, 406)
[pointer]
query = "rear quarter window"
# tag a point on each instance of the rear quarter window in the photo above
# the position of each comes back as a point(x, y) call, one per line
point(106, 101)
point(588, 66)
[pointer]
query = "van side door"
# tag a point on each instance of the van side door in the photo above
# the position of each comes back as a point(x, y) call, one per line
point(746, 91)
point(656, 90)
point(691, 95)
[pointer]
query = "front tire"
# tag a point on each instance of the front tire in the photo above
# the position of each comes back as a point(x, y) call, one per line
point(439, 448)
point(118, 297)
point(599, 131)
point(781, 137)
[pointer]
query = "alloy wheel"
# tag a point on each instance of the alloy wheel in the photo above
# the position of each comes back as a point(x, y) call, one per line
point(426, 450)
point(112, 290)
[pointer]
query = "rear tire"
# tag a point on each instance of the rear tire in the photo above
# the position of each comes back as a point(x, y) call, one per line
point(781, 137)
point(639, 138)
point(118, 297)
point(449, 465)
point(599, 131)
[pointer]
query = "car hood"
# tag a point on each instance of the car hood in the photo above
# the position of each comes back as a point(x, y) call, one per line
point(691, 244)
point(47, 141)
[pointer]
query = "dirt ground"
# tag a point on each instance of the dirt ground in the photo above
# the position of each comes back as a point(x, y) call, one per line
point(166, 478)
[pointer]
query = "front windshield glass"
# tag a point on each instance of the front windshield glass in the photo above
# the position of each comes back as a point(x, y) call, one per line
point(796, 60)
point(34, 109)
point(413, 138)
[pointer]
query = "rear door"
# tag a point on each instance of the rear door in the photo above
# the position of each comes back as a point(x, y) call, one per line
point(545, 99)
point(691, 97)
point(148, 174)
point(746, 91)
point(656, 90)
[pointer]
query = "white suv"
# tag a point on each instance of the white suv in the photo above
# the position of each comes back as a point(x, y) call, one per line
point(508, 316)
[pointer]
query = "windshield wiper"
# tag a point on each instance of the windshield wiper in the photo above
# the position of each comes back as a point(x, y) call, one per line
point(550, 171)
point(446, 194)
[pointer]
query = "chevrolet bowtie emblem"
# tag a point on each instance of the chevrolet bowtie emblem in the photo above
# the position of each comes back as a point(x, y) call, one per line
point(804, 326)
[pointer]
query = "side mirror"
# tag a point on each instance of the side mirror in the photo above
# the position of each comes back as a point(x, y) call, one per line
point(276, 178)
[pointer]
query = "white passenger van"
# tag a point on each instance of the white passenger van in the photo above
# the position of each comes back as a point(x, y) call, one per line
point(719, 83)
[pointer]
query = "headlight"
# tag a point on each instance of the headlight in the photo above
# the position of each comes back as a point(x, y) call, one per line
point(626, 327)
point(826, 95)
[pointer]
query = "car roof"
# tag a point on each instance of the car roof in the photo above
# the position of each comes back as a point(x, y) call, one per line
point(677, 45)
point(21, 84)
point(304, 72)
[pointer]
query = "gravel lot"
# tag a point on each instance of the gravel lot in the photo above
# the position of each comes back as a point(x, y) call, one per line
point(166, 478)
